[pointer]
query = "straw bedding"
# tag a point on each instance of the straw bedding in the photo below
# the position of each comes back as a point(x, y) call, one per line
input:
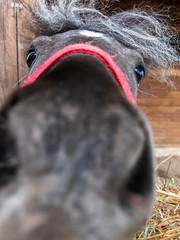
point(165, 220)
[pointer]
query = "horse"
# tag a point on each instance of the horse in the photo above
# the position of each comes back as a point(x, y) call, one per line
point(77, 157)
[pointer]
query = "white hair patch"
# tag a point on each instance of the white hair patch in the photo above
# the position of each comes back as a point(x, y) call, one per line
point(92, 34)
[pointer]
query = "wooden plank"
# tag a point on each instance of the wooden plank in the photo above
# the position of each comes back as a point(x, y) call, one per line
point(26, 34)
point(164, 141)
point(165, 126)
point(166, 101)
point(164, 117)
point(8, 59)
point(160, 109)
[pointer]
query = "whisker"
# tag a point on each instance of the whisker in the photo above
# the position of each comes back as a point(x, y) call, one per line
point(20, 81)
point(146, 93)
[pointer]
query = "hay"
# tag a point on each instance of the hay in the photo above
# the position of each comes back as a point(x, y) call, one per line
point(165, 220)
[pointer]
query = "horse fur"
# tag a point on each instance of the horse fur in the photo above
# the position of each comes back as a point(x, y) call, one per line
point(140, 29)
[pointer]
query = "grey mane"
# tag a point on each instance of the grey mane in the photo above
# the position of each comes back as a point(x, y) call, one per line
point(139, 29)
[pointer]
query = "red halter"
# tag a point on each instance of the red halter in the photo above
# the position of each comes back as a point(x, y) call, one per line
point(86, 49)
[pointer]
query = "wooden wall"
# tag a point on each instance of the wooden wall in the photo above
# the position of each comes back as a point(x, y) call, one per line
point(160, 102)
point(8, 56)
point(16, 33)
point(162, 105)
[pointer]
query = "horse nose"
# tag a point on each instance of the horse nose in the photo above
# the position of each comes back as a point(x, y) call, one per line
point(85, 162)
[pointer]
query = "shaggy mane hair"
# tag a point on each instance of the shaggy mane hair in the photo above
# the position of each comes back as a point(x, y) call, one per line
point(141, 29)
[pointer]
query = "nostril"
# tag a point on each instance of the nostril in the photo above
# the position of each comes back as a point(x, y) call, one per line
point(139, 185)
point(7, 174)
point(8, 163)
point(141, 178)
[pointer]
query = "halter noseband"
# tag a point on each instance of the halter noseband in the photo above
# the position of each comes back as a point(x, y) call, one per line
point(85, 49)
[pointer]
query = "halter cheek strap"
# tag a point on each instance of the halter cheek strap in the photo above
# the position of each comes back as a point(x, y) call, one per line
point(86, 49)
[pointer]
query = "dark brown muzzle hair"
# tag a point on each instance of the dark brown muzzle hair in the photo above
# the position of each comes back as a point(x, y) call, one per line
point(76, 157)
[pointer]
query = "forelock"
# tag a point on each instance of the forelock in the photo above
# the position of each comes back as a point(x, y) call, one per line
point(140, 29)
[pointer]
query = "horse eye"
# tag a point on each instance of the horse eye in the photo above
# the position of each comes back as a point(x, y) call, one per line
point(31, 56)
point(140, 72)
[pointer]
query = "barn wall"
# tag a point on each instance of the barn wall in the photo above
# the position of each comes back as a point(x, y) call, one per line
point(8, 56)
point(25, 35)
point(160, 102)
point(16, 33)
